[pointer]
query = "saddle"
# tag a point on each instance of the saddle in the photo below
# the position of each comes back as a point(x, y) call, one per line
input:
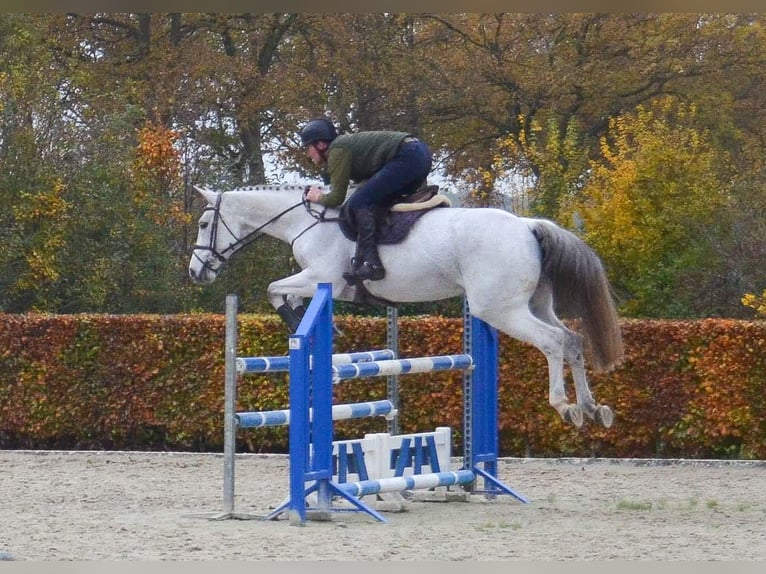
point(393, 222)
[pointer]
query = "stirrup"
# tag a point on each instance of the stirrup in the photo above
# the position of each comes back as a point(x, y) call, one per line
point(369, 271)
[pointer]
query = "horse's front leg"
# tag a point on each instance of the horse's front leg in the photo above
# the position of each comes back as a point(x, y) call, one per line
point(287, 295)
point(291, 311)
point(291, 315)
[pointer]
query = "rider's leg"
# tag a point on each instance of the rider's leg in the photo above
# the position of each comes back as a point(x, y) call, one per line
point(400, 176)
point(368, 264)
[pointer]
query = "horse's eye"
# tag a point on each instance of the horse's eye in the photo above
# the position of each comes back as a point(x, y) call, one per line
point(203, 225)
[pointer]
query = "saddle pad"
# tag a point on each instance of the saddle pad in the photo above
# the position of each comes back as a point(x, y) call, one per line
point(394, 226)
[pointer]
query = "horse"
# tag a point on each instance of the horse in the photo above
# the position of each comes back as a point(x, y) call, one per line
point(513, 272)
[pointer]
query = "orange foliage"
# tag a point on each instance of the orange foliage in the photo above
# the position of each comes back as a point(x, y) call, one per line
point(156, 174)
point(686, 388)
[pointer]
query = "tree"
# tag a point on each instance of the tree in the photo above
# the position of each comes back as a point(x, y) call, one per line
point(652, 207)
point(33, 246)
point(515, 107)
point(757, 302)
point(550, 83)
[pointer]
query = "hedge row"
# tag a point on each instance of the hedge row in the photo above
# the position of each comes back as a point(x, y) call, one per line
point(693, 389)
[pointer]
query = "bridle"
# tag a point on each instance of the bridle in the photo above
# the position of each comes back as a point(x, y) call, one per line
point(224, 255)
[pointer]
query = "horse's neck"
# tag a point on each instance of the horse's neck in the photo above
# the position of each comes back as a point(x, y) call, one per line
point(276, 209)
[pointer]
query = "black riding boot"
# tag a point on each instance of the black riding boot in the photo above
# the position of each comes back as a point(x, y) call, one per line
point(367, 264)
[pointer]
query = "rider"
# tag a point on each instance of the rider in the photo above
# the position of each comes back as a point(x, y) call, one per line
point(394, 165)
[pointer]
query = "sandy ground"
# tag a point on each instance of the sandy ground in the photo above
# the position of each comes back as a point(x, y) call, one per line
point(88, 506)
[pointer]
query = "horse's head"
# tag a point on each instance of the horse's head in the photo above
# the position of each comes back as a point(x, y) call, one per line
point(218, 237)
point(238, 217)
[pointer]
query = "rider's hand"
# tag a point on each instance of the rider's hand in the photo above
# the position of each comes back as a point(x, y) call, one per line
point(313, 194)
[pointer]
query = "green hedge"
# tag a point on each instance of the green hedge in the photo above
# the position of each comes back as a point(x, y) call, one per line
point(693, 389)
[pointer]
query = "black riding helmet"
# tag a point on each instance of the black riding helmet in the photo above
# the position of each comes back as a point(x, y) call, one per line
point(318, 129)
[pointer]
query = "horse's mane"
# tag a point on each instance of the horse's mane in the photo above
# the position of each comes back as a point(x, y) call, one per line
point(283, 187)
point(271, 187)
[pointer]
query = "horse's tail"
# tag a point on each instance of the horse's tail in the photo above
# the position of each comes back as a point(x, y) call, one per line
point(581, 289)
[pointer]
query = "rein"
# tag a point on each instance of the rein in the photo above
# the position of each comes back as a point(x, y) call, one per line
point(316, 214)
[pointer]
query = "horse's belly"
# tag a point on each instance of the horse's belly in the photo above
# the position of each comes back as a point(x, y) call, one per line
point(396, 288)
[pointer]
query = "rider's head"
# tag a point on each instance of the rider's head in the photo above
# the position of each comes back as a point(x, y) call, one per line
point(317, 130)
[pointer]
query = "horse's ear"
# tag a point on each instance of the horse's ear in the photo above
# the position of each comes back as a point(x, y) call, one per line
point(208, 194)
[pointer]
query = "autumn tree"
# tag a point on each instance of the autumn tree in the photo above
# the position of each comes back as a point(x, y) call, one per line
point(201, 78)
point(652, 206)
point(33, 246)
point(549, 83)
point(517, 108)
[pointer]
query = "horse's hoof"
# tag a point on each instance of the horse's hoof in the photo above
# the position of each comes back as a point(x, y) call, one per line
point(573, 415)
point(604, 416)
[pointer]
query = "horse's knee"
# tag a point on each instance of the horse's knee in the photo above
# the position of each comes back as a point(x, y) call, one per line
point(276, 299)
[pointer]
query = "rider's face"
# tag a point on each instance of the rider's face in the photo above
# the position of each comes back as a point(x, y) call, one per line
point(315, 153)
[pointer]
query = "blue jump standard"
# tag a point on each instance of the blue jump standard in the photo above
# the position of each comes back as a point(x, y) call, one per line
point(313, 371)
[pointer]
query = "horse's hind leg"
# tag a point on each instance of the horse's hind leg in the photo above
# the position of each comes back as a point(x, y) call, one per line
point(573, 354)
point(524, 326)
point(542, 307)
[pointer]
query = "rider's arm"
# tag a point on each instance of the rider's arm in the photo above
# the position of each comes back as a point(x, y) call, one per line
point(339, 170)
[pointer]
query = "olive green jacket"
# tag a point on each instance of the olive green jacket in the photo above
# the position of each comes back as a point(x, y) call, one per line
point(357, 157)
